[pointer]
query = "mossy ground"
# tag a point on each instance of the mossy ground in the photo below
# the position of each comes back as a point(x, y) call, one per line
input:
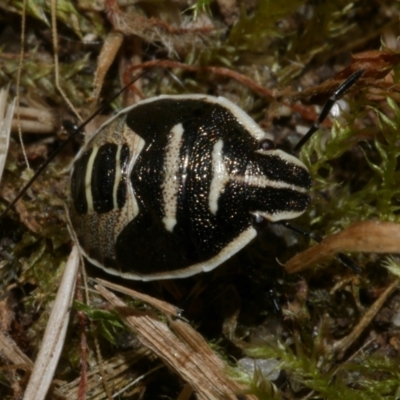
point(284, 47)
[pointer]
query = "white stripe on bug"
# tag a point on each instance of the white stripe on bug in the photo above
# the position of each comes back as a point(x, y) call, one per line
point(220, 176)
point(283, 156)
point(262, 182)
point(277, 216)
point(88, 179)
point(117, 177)
point(136, 144)
point(170, 186)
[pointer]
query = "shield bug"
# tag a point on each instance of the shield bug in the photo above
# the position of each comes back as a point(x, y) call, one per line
point(172, 186)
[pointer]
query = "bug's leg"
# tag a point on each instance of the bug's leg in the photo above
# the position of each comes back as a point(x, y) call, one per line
point(345, 260)
point(336, 95)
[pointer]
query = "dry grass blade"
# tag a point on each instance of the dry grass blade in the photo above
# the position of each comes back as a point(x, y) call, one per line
point(6, 116)
point(34, 120)
point(160, 305)
point(187, 353)
point(10, 351)
point(367, 236)
point(108, 53)
point(53, 339)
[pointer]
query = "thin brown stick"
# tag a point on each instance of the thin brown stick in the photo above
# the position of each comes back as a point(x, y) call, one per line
point(342, 345)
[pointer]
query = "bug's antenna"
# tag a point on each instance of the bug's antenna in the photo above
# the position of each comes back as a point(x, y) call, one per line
point(74, 132)
point(346, 261)
point(336, 95)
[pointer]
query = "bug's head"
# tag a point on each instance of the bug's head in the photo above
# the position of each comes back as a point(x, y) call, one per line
point(273, 185)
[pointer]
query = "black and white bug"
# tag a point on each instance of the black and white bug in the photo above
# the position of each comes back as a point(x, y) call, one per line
point(174, 185)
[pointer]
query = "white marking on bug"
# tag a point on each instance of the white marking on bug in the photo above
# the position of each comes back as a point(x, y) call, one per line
point(220, 176)
point(262, 182)
point(283, 156)
point(88, 179)
point(117, 177)
point(136, 144)
point(278, 216)
point(170, 186)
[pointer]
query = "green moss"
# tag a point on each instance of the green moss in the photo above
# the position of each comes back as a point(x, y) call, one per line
point(67, 14)
point(253, 32)
point(370, 190)
point(375, 377)
point(201, 6)
point(106, 323)
point(38, 77)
